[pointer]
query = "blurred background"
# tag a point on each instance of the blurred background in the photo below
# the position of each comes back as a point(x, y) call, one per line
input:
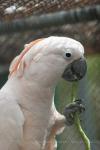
point(22, 21)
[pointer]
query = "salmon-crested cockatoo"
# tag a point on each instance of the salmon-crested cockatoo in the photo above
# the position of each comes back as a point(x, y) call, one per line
point(28, 117)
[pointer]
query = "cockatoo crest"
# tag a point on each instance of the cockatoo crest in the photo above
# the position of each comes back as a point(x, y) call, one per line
point(16, 63)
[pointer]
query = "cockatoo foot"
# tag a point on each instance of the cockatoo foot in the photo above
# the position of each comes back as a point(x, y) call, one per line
point(71, 109)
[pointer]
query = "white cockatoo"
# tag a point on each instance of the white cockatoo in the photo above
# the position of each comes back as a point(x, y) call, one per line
point(28, 117)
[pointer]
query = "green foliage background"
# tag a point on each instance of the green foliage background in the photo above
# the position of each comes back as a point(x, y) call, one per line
point(71, 139)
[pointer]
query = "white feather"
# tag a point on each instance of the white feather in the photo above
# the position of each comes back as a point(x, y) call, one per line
point(27, 110)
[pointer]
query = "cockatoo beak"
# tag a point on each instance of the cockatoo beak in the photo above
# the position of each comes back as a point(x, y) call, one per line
point(76, 70)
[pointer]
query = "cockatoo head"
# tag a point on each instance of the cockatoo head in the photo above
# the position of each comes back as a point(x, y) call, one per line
point(50, 58)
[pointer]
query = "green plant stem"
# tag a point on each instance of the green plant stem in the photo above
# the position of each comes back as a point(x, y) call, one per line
point(78, 123)
point(82, 133)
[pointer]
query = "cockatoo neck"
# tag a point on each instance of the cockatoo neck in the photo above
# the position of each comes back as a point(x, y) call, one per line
point(28, 93)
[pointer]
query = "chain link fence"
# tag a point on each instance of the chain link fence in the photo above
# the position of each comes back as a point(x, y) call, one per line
point(15, 9)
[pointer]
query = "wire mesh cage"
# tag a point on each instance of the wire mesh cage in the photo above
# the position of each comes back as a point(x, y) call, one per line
point(24, 8)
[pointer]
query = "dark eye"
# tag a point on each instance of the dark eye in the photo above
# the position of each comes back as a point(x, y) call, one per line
point(68, 55)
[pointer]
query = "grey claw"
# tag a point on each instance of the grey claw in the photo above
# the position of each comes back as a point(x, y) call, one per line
point(78, 101)
point(71, 109)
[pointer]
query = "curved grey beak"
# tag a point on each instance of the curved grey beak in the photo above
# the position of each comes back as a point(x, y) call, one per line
point(76, 70)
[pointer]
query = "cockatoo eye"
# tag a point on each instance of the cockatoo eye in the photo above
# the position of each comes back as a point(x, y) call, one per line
point(68, 55)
